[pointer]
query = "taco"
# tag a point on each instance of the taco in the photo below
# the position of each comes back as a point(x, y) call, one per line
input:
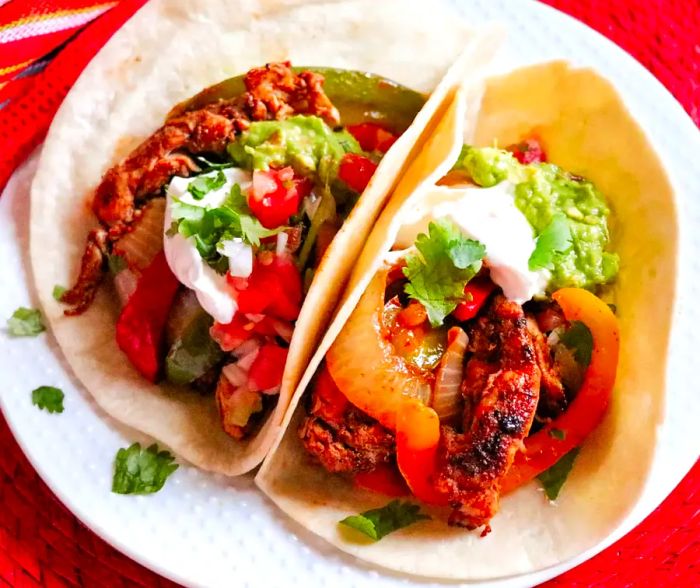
point(491, 343)
point(228, 233)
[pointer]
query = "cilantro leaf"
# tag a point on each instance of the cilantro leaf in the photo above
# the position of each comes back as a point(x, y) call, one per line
point(48, 398)
point(438, 272)
point(553, 479)
point(559, 434)
point(379, 522)
point(141, 471)
point(209, 227)
point(555, 238)
point(57, 292)
point(25, 322)
point(116, 263)
point(579, 340)
point(202, 185)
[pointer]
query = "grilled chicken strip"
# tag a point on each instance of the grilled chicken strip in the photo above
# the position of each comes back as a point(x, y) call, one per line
point(501, 390)
point(273, 92)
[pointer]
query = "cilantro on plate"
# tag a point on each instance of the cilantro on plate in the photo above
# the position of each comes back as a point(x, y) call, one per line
point(555, 238)
point(203, 184)
point(379, 522)
point(209, 227)
point(579, 340)
point(141, 471)
point(553, 479)
point(48, 398)
point(439, 270)
point(58, 292)
point(25, 322)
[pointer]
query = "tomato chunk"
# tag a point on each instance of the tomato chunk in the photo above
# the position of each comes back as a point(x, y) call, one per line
point(275, 195)
point(141, 324)
point(356, 171)
point(268, 368)
point(528, 151)
point(273, 288)
point(372, 136)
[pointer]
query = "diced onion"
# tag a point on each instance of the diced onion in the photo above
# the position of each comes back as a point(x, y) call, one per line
point(246, 347)
point(256, 318)
point(235, 375)
point(125, 284)
point(240, 257)
point(247, 360)
point(311, 203)
point(272, 391)
point(282, 239)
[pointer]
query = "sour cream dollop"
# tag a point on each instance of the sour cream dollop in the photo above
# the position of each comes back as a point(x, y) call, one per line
point(490, 216)
point(212, 290)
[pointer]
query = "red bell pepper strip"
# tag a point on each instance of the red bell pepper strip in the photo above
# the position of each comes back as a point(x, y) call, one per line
point(356, 171)
point(542, 450)
point(476, 291)
point(417, 437)
point(275, 195)
point(141, 324)
point(372, 137)
point(385, 479)
point(267, 368)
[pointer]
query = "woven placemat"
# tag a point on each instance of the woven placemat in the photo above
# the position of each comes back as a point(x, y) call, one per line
point(43, 545)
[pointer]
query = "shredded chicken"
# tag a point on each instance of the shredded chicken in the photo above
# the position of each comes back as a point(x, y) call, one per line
point(272, 92)
point(501, 390)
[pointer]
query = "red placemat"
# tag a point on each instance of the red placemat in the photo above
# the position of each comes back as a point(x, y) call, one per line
point(43, 544)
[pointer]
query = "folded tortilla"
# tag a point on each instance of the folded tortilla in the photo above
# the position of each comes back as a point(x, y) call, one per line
point(587, 130)
point(166, 53)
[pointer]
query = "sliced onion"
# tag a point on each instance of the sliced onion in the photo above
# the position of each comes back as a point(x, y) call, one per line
point(125, 284)
point(249, 346)
point(447, 395)
point(311, 203)
point(247, 360)
point(145, 240)
point(255, 318)
point(272, 391)
point(284, 329)
point(240, 257)
point(235, 374)
point(282, 239)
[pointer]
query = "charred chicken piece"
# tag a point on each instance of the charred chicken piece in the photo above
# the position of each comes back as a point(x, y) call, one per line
point(552, 396)
point(501, 390)
point(273, 92)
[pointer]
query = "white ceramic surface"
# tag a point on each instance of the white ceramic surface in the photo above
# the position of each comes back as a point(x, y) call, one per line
point(205, 530)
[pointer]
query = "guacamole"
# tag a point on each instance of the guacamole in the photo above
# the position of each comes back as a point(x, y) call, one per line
point(544, 191)
point(306, 143)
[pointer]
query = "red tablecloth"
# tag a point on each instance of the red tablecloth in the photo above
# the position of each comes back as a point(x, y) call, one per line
point(42, 544)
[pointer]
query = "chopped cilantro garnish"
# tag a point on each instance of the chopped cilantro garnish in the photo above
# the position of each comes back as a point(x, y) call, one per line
point(141, 471)
point(208, 227)
point(48, 398)
point(58, 292)
point(438, 272)
point(116, 263)
point(379, 522)
point(202, 185)
point(557, 434)
point(555, 238)
point(25, 322)
point(553, 479)
point(579, 340)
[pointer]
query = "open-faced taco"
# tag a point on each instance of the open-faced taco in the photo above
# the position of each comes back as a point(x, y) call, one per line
point(228, 233)
point(496, 332)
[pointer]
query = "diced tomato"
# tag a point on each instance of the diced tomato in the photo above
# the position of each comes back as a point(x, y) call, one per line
point(275, 195)
point(268, 367)
point(476, 291)
point(332, 403)
point(273, 288)
point(141, 324)
point(372, 137)
point(528, 151)
point(356, 171)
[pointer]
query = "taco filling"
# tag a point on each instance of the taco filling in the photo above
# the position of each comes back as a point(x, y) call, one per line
point(211, 231)
point(479, 355)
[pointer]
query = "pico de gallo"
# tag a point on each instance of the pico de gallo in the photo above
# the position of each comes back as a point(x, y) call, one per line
point(213, 227)
point(479, 357)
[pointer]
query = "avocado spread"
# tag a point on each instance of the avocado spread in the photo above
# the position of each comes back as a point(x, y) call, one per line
point(544, 191)
point(306, 143)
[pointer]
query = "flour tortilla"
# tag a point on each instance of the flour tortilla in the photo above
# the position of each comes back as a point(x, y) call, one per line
point(586, 129)
point(169, 51)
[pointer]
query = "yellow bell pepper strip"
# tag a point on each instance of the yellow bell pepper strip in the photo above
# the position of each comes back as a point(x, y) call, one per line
point(545, 448)
point(417, 437)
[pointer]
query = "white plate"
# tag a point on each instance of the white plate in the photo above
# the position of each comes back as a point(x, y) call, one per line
point(203, 529)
